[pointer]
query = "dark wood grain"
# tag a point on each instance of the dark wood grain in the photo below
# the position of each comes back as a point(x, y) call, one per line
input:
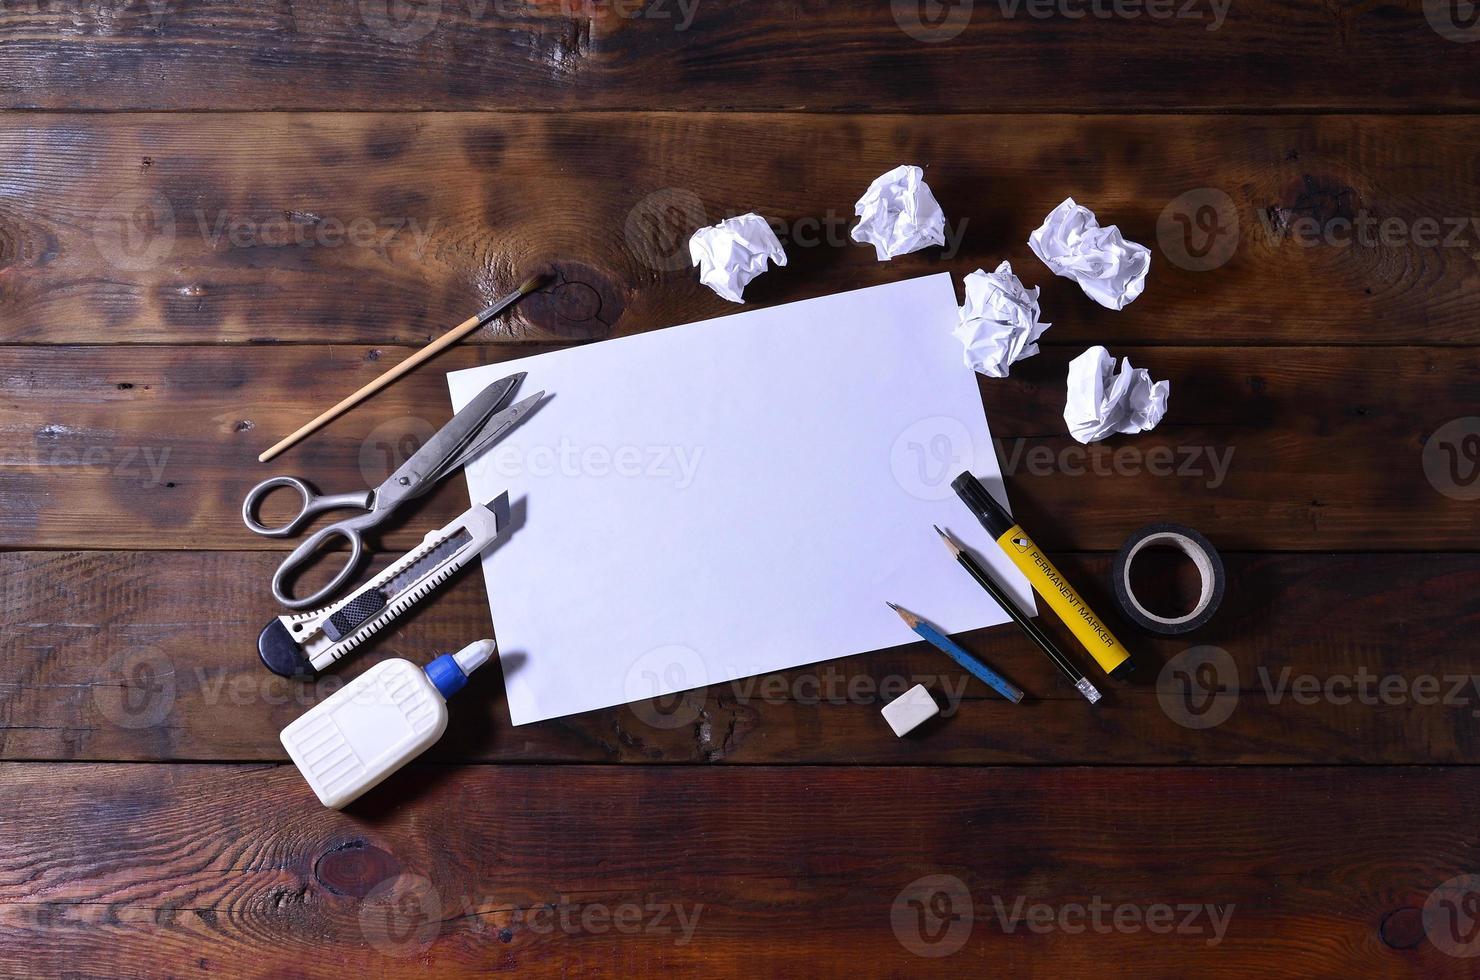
point(237, 870)
point(379, 228)
point(1265, 448)
point(733, 54)
point(147, 656)
point(216, 218)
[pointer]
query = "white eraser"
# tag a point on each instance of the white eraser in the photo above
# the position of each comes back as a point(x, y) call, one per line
point(910, 710)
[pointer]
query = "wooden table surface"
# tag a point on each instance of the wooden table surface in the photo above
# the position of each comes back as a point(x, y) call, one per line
point(217, 217)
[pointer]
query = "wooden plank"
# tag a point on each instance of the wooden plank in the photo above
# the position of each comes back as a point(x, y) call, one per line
point(463, 871)
point(1325, 659)
point(390, 228)
point(1263, 448)
point(1067, 55)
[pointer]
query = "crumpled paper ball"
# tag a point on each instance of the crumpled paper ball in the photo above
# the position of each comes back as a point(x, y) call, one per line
point(732, 253)
point(1110, 270)
point(1102, 402)
point(898, 214)
point(999, 323)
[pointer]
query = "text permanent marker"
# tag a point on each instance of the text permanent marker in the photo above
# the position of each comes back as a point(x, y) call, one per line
point(1046, 580)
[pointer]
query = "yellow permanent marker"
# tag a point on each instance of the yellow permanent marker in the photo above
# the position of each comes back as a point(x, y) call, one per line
point(1046, 580)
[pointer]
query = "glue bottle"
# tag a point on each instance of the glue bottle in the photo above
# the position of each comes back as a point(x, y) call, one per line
point(377, 723)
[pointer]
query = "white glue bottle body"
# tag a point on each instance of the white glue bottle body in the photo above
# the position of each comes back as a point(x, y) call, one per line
point(377, 723)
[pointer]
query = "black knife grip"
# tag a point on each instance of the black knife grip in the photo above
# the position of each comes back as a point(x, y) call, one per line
point(355, 612)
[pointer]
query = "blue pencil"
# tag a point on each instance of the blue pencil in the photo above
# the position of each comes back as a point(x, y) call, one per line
point(973, 666)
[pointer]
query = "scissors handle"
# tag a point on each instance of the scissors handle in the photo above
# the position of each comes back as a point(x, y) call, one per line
point(312, 503)
point(350, 530)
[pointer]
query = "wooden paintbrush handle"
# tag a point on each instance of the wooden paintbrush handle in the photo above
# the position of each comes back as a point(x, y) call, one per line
point(429, 351)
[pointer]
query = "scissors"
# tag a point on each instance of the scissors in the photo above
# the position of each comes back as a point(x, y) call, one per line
point(471, 431)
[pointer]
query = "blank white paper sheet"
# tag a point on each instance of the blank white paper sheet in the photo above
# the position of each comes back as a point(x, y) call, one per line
point(733, 497)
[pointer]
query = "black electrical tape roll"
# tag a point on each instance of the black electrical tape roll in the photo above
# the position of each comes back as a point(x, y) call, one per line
point(1203, 555)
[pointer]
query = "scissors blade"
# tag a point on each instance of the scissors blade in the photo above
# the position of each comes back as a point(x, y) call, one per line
point(494, 430)
point(429, 463)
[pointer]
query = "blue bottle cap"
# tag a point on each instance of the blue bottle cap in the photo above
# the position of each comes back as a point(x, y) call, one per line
point(446, 675)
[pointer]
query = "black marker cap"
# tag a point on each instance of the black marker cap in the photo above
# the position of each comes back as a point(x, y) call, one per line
point(975, 496)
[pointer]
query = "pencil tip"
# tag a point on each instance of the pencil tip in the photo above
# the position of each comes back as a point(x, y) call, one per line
point(910, 618)
point(950, 542)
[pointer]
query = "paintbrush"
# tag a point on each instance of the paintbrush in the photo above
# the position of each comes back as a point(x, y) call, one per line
point(420, 357)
